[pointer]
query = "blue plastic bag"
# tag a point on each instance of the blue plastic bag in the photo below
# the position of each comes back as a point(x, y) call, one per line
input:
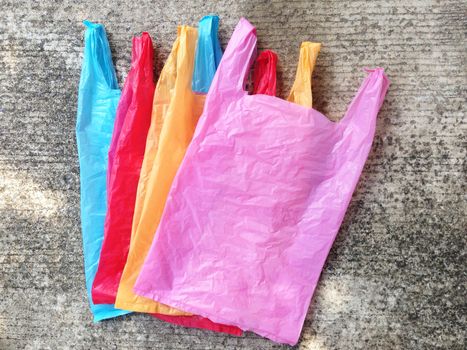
point(98, 98)
point(208, 44)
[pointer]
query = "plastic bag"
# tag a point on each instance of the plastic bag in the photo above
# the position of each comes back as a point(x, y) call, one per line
point(126, 157)
point(264, 73)
point(180, 108)
point(208, 54)
point(257, 201)
point(97, 101)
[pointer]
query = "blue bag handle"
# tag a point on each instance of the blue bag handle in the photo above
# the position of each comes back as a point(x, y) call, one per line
point(208, 54)
point(99, 55)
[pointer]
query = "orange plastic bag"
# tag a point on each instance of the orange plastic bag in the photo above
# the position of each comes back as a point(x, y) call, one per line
point(176, 111)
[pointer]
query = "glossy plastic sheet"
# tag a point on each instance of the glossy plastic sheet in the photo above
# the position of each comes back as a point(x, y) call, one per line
point(176, 109)
point(258, 201)
point(264, 73)
point(98, 97)
point(125, 159)
point(208, 54)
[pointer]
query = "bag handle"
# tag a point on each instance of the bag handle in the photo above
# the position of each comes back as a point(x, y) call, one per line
point(364, 107)
point(98, 55)
point(264, 73)
point(231, 74)
point(301, 89)
point(142, 54)
point(167, 77)
point(208, 54)
point(186, 55)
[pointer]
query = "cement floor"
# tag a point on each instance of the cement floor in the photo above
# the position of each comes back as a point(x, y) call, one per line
point(396, 276)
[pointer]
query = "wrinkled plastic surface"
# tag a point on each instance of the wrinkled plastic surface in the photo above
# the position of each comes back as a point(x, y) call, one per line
point(208, 54)
point(195, 321)
point(126, 157)
point(98, 97)
point(257, 202)
point(264, 73)
point(176, 109)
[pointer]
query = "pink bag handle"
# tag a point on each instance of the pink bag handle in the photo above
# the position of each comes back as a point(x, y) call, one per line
point(238, 57)
point(364, 108)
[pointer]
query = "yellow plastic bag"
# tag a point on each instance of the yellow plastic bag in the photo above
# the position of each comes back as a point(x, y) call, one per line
point(176, 111)
point(179, 122)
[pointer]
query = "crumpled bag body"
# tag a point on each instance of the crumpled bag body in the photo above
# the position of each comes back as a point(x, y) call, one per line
point(176, 109)
point(125, 160)
point(98, 97)
point(257, 202)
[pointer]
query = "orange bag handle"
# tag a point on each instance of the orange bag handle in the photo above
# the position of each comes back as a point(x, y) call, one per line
point(301, 89)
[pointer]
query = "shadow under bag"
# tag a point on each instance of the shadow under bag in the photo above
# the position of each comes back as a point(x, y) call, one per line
point(257, 201)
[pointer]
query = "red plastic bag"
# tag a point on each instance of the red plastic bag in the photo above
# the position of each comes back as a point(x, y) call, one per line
point(125, 158)
point(264, 73)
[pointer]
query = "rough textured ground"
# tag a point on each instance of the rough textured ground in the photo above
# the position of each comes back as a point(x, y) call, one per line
point(396, 277)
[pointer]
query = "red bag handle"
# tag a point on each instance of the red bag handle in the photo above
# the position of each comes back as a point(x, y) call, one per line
point(264, 73)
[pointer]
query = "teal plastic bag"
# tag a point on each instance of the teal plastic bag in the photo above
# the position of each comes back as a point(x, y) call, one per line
point(98, 98)
point(208, 45)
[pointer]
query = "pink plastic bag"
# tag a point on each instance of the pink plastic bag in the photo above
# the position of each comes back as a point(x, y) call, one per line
point(257, 202)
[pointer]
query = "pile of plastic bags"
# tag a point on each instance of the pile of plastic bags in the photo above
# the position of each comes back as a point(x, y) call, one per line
point(202, 204)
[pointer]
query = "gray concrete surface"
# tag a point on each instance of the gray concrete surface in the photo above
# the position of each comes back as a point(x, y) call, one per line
point(396, 276)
